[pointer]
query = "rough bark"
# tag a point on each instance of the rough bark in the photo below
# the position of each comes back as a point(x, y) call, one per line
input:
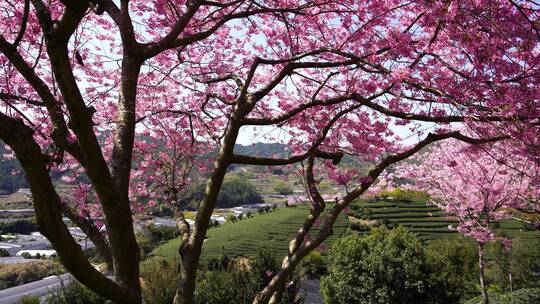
point(111, 188)
point(48, 208)
point(190, 251)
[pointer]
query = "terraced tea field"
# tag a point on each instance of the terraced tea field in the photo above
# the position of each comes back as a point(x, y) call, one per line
point(426, 221)
point(272, 231)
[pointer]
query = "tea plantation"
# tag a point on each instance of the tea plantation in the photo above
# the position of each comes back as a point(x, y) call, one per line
point(271, 231)
point(428, 222)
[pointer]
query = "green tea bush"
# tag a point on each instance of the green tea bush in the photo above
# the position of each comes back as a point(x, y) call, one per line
point(28, 299)
point(313, 265)
point(12, 275)
point(158, 280)
point(4, 252)
point(240, 281)
point(74, 293)
point(521, 296)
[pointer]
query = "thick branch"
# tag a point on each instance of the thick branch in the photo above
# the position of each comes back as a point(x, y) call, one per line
point(88, 227)
point(268, 161)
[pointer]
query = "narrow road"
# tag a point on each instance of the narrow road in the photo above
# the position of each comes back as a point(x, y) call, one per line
point(38, 288)
point(310, 289)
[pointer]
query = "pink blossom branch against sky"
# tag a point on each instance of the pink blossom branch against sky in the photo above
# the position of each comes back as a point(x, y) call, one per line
point(398, 59)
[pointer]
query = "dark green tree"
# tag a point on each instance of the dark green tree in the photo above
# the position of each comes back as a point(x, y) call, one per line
point(453, 270)
point(387, 266)
point(234, 192)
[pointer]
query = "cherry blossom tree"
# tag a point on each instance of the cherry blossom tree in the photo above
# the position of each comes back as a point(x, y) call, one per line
point(92, 87)
point(478, 185)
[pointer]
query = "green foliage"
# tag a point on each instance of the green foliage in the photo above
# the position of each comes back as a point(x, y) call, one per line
point(28, 299)
point(158, 280)
point(74, 293)
point(453, 269)
point(234, 192)
point(313, 265)
point(18, 226)
point(231, 218)
point(4, 252)
point(403, 194)
point(152, 235)
point(12, 275)
point(240, 280)
point(271, 230)
point(387, 266)
point(359, 227)
point(521, 260)
point(522, 296)
point(226, 287)
point(282, 188)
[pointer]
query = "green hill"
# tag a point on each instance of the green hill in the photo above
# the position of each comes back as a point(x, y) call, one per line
point(272, 231)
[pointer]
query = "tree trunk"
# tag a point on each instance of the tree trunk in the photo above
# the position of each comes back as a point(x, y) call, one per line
point(485, 297)
point(48, 208)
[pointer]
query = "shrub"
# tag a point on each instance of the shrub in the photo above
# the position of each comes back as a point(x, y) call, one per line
point(313, 265)
point(74, 293)
point(239, 282)
point(152, 235)
point(17, 274)
point(452, 270)
point(282, 188)
point(522, 260)
point(240, 216)
point(158, 280)
point(231, 218)
point(226, 287)
point(248, 214)
point(19, 226)
point(403, 194)
point(359, 227)
point(387, 266)
point(4, 252)
point(28, 299)
point(26, 255)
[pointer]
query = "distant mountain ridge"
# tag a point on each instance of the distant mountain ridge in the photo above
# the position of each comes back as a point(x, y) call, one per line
point(262, 149)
